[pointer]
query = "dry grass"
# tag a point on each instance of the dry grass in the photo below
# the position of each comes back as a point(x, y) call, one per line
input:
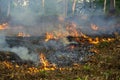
point(104, 65)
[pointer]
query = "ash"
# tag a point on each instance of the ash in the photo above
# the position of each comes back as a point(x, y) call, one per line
point(61, 52)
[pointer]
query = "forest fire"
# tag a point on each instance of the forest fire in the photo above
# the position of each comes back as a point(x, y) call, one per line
point(45, 64)
point(22, 34)
point(49, 36)
point(72, 30)
point(59, 39)
point(3, 26)
point(98, 40)
point(78, 36)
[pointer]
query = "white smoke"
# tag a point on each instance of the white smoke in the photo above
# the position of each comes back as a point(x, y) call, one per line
point(3, 43)
point(24, 54)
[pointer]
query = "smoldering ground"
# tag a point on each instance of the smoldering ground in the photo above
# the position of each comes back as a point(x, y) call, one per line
point(35, 21)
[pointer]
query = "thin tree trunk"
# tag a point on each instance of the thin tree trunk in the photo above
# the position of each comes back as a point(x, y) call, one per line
point(90, 3)
point(66, 6)
point(8, 10)
point(73, 6)
point(43, 6)
point(114, 3)
point(104, 6)
point(112, 6)
point(43, 3)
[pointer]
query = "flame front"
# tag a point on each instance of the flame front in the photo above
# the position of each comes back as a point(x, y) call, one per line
point(21, 34)
point(49, 36)
point(45, 64)
point(71, 30)
point(3, 26)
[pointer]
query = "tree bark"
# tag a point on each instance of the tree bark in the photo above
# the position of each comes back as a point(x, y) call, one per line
point(8, 10)
point(112, 6)
point(73, 6)
point(43, 3)
point(66, 8)
point(104, 6)
point(90, 3)
point(43, 6)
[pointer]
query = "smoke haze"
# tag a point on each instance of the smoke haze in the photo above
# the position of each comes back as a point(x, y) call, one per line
point(36, 19)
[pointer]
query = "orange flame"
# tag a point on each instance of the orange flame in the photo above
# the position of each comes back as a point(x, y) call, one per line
point(60, 33)
point(32, 70)
point(21, 34)
point(71, 30)
point(45, 64)
point(98, 40)
point(49, 36)
point(3, 26)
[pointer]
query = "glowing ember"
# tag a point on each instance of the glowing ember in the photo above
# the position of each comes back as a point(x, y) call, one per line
point(3, 26)
point(7, 64)
point(49, 36)
point(32, 70)
point(45, 64)
point(60, 33)
point(21, 34)
point(98, 40)
point(71, 30)
point(94, 41)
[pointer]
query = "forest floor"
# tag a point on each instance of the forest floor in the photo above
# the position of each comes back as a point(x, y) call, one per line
point(104, 65)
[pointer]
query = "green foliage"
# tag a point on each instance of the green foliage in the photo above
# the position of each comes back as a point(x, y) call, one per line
point(100, 3)
point(87, 67)
point(78, 78)
point(117, 6)
point(85, 78)
point(107, 74)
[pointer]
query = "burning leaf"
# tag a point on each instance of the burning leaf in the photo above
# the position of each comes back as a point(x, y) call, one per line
point(45, 64)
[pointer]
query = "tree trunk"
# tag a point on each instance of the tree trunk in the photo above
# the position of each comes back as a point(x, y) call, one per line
point(8, 10)
point(112, 6)
point(90, 3)
point(43, 6)
point(43, 3)
point(104, 6)
point(73, 6)
point(66, 7)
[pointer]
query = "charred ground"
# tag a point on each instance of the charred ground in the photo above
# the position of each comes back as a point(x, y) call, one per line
point(103, 65)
